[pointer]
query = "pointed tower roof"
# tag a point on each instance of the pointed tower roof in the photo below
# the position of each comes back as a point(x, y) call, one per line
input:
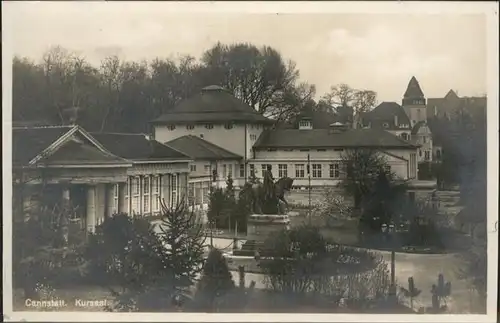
point(451, 94)
point(413, 90)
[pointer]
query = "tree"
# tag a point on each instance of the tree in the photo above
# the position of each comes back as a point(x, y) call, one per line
point(361, 168)
point(125, 251)
point(230, 201)
point(217, 208)
point(183, 244)
point(296, 258)
point(258, 76)
point(216, 281)
point(384, 203)
point(346, 100)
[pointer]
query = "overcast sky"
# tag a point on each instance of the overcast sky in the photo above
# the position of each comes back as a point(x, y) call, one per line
point(373, 51)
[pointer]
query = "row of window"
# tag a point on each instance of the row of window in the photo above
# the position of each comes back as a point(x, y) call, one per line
point(198, 195)
point(305, 149)
point(301, 170)
point(143, 194)
point(207, 126)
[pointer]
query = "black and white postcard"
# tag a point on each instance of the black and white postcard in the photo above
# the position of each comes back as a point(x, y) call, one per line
point(250, 161)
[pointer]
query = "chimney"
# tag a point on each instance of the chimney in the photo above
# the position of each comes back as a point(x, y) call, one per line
point(70, 116)
point(396, 121)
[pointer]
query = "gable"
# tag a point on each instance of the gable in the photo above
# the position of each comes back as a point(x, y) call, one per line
point(30, 142)
point(78, 150)
point(76, 137)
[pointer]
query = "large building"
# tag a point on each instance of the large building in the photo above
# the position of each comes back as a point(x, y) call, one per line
point(97, 175)
point(408, 121)
point(220, 122)
point(224, 136)
point(288, 152)
point(451, 104)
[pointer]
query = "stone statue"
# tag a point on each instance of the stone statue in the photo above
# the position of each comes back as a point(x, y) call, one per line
point(268, 197)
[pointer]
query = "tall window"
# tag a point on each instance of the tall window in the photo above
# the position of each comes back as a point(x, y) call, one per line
point(116, 192)
point(173, 190)
point(136, 191)
point(427, 155)
point(299, 171)
point(252, 170)
point(425, 139)
point(207, 169)
point(224, 171)
point(146, 188)
point(126, 188)
point(191, 193)
point(156, 194)
point(334, 170)
point(230, 170)
point(282, 170)
point(242, 170)
point(316, 170)
point(266, 167)
point(192, 167)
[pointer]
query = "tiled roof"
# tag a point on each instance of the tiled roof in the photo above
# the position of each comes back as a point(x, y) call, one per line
point(212, 104)
point(413, 90)
point(197, 148)
point(319, 119)
point(384, 113)
point(417, 127)
point(29, 142)
point(137, 147)
point(316, 138)
point(75, 153)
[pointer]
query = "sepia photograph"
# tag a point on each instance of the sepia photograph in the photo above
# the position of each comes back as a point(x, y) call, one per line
point(250, 159)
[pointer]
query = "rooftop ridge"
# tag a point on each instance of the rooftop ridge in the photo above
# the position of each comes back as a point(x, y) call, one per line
point(119, 133)
point(45, 127)
point(210, 145)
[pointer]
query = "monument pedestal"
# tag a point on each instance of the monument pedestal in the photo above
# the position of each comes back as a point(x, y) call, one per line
point(260, 226)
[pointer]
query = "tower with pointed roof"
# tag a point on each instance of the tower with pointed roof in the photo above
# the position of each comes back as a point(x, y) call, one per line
point(414, 102)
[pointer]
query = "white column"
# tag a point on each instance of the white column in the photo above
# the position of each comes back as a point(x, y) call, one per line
point(91, 208)
point(66, 208)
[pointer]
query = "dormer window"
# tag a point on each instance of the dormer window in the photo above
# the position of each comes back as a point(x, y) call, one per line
point(171, 127)
point(305, 124)
point(228, 126)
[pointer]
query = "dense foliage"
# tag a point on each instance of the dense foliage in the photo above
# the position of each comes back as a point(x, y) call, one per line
point(215, 283)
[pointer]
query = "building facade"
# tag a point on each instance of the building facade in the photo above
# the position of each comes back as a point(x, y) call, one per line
point(292, 152)
point(58, 166)
point(408, 121)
